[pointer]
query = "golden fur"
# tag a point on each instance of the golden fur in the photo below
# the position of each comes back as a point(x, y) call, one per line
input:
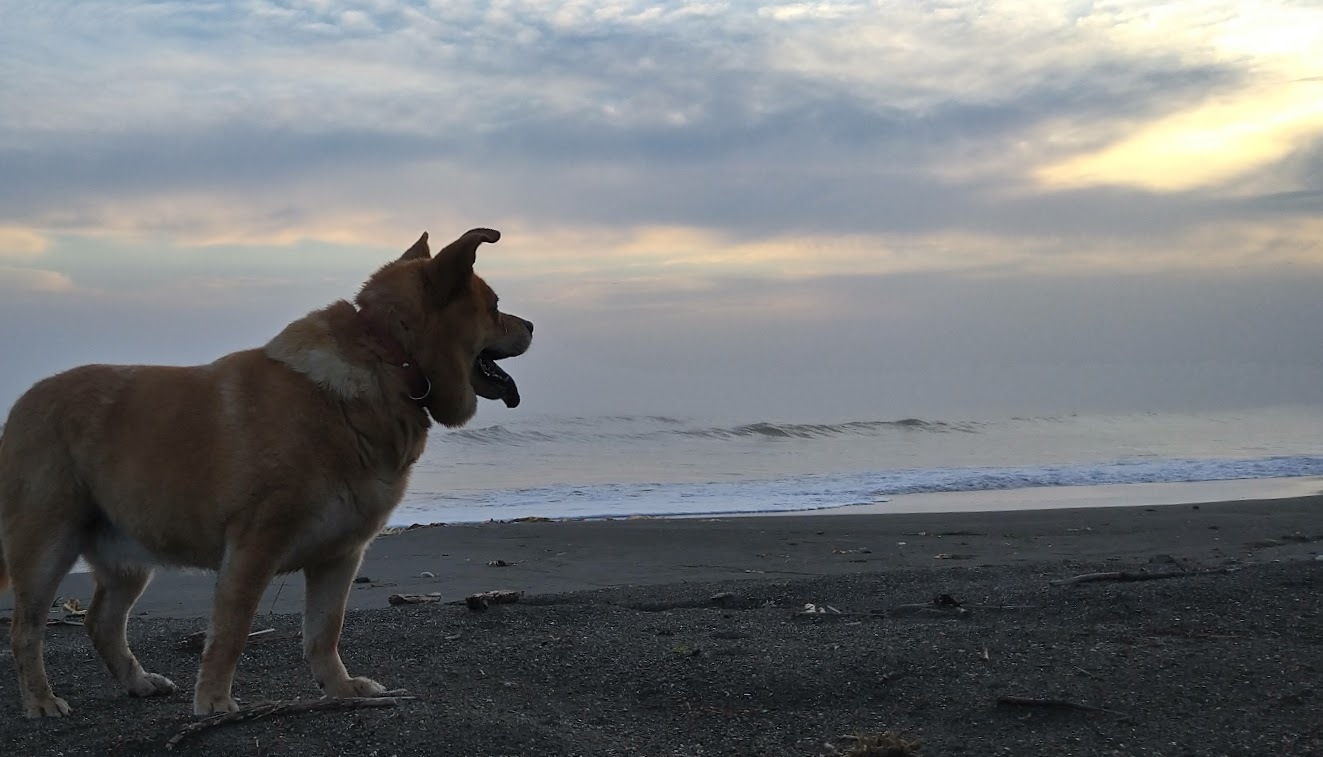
point(266, 461)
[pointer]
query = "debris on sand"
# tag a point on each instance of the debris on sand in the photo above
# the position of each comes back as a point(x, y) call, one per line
point(482, 600)
point(885, 744)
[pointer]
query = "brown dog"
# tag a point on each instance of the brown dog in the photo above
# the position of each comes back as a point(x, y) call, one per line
point(266, 461)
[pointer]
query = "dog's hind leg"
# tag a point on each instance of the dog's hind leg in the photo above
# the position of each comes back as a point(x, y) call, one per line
point(327, 591)
point(117, 588)
point(36, 572)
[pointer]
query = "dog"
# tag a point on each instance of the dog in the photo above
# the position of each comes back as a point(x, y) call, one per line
point(267, 461)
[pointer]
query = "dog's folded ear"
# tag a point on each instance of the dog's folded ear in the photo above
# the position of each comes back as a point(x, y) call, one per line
point(454, 262)
point(484, 235)
point(419, 251)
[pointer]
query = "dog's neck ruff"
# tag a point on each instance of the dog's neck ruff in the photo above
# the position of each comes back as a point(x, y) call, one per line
point(392, 352)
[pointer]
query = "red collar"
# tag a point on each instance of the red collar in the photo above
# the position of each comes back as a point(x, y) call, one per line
point(390, 351)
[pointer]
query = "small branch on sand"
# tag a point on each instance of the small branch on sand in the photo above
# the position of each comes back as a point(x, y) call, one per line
point(1086, 673)
point(286, 707)
point(1122, 575)
point(868, 744)
point(1061, 704)
point(928, 610)
point(198, 639)
point(836, 615)
point(933, 609)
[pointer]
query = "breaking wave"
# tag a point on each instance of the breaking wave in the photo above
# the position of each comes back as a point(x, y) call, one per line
point(643, 427)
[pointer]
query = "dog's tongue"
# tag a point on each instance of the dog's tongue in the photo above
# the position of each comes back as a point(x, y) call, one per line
point(510, 395)
point(509, 391)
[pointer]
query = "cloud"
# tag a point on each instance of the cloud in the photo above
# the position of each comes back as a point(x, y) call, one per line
point(17, 243)
point(931, 134)
point(16, 280)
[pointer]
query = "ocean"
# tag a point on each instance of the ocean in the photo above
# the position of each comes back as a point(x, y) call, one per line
point(532, 466)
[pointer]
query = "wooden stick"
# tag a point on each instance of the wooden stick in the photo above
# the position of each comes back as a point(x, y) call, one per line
point(198, 639)
point(285, 707)
point(949, 611)
point(910, 611)
point(1064, 704)
point(1087, 673)
point(1122, 575)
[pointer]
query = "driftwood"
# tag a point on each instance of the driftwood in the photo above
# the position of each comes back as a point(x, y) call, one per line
point(476, 602)
point(286, 707)
point(413, 599)
point(1060, 704)
point(1124, 575)
point(482, 600)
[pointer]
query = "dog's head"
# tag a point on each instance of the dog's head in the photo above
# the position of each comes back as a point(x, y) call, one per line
point(449, 321)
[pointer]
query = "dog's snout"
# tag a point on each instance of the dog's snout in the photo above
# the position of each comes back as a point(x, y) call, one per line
point(529, 324)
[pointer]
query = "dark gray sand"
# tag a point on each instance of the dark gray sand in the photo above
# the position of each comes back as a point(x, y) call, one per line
point(1228, 660)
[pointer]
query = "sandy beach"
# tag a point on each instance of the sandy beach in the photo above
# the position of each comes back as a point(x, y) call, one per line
point(687, 637)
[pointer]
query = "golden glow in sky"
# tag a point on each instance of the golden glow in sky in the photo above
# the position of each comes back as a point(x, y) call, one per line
point(1274, 111)
point(1205, 146)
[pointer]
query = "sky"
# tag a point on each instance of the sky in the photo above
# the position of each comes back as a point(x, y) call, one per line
point(786, 211)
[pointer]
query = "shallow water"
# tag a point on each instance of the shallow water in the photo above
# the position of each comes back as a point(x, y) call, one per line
point(650, 465)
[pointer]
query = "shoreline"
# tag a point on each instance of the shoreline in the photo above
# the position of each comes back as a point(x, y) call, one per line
point(577, 555)
point(1102, 495)
point(983, 500)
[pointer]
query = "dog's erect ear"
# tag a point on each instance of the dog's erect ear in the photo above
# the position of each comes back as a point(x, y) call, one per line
point(455, 261)
point(419, 251)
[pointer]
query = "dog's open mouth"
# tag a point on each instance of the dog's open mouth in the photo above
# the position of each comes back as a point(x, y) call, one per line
point(492, 382)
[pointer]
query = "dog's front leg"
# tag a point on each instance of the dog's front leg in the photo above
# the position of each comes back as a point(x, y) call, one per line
point(244, 575)
point(327, 591)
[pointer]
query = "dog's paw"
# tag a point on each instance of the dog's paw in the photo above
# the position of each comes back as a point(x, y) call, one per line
point(355, 687)
point(46, 707)
point(203, 706)
point(150, 685)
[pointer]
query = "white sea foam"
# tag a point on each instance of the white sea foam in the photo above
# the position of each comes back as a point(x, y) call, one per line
point(815, 492)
